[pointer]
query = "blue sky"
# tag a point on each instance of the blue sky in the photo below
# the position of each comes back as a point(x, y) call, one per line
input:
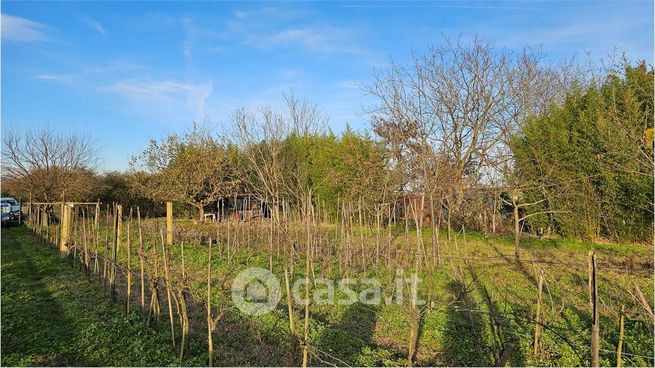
point(126, 72)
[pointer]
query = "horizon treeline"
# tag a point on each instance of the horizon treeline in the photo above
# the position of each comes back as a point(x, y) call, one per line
point(478, 137)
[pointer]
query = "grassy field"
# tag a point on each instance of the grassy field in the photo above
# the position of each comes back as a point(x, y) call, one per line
point(480, 299)
point(53, 315)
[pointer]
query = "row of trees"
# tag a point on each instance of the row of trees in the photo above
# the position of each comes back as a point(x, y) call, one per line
point(590, 160)
point(466, 131)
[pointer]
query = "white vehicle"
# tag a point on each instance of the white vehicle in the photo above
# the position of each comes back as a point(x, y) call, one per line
point(10, 210)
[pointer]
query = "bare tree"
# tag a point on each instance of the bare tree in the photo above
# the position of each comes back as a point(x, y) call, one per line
point(444, 115)
point(261, 137)
point(47, 165)
point(449, 116)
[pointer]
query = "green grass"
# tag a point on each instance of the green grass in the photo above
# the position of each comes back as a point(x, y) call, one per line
point(53, 315)
point(490, 281)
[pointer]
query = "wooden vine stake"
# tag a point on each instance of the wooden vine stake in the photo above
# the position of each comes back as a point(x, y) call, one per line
point(96, 236)
point(292, 326)
point(169, 223)
point(105, 254)
point(537, 320)
point(593, 301)
point(85, 243)
point(305, 352)
point(129, 266)
point(168, 288)
point(141, 259)
point(210, 322)
point(619, 347)
point(154, 290)
point(183, 312)
point(118, 214)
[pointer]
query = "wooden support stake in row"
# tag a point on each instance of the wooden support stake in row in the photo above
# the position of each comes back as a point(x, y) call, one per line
point(210, 320)
point(537, 320)
point(129, 265)
point(619, 348)
point(308, 263)
point(141, 259)
point(593, 301)
point(292, 326)
point(169, 223)
point(167, 278)
point(66, 216)
point(118, 224)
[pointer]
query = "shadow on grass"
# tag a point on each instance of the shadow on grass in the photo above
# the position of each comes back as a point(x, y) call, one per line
point(53, 315)
point(517, 263)
point(464, 344)
point(35, 329)
point(350, 337)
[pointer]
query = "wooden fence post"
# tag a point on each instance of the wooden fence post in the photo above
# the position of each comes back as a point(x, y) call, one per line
point(169, 223)
point(65, 228)
point(593, 299)
point(44, 217)
point(29, 212)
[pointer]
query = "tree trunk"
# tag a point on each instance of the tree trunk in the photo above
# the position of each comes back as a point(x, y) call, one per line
point(493, 216)
point(433, 235)
point(448, 219)
point(517, 229)
point(201, 212)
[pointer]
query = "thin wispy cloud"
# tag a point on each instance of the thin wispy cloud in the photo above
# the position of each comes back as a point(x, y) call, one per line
point(574, 32)
point(268, 29)
point(313, 39)
point(291, 73)
point(19, 29)
point(446, 6)
point(349, 84)
point(240, 14)
point(84, 73)
point(193, 33)
point(94, 59)
point(62, 78)
point(164, 93)
point(93, 24)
